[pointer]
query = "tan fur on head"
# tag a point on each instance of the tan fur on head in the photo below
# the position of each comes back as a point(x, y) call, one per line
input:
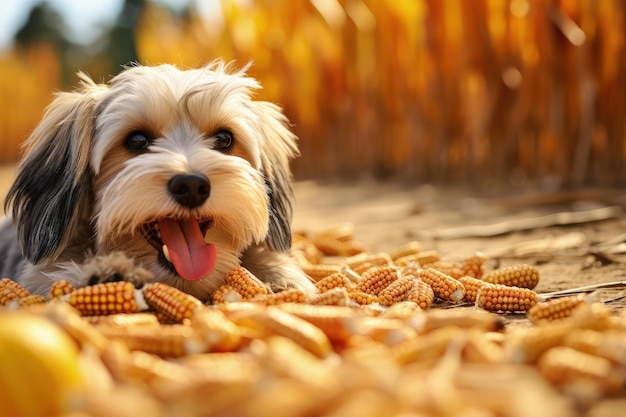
point(110, 162)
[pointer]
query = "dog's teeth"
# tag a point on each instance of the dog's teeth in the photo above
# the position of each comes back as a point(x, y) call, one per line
point(166, 253)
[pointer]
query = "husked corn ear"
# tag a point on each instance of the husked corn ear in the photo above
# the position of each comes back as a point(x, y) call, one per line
point(448, 268)
point(171, 341)
point(337, 297)
point(496, 297)
point(555, 309)
point(562, 365)
point(606, 344)
point(124, 320)
point(522, 276)
point(474, 266)
point(472, 285)
point(362, 298)
point(218, 332)
point(457, 317)
point(480, 349)
point(376, 279)
point(226, 294)
point(338, 279)
point(291, 295)
point(427, 347)
point(388, 331)
point(410, 248)
point(365, 261)
point(172, 302)
point(9, 284)
point(402, 310)
point(337, 322)
point(245, 283)
point(31, 299)
point(525, 345)
point(320, 271)
point(396, 291)
point(420, 293)
point(420, 258)
point(60, 288)
point(106, 298)
point(444, 286)
point(7, 295)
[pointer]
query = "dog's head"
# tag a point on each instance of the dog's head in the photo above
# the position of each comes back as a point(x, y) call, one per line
point(180, 169)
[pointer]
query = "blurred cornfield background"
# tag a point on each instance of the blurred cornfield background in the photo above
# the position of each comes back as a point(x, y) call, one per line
point(454, 91)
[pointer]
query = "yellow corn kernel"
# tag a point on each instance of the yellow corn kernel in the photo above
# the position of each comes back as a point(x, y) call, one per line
point(376, 279)
point(421, 258)
point(555, 309)
point(337, 322)
point(421, 293)
point(410, 248)
point(474, 265)
point(124, 320)
point(472, 285)
point(218, 332)
point(562, 365)
point(496, 297)
point(170, 301)
point(12, 285)
point(291, 295)
point(60, 288)
point(362, 298)
point(402, 310)
point(7, 295)
point(171, 341)
point(226, 294)
point(522, 276)
point(106, 298)
point(444, 286)
point(338, 279)
point(464, 318)
point(31, 300)
point(245, 283)
point(365, 261)
point(449, 268)
point(396, 291)
point(319, 271)
point(336, 297)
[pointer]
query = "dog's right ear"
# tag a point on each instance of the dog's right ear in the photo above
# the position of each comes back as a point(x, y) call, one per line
point(52, 186)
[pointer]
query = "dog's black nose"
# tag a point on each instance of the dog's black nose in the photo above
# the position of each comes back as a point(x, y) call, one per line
point(189, 190)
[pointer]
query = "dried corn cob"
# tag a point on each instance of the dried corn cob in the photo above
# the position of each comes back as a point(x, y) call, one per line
point(226, 294)
point(338, 279)
point(292, 295)
point(474, 266)
point(7, 295)
point(464, 318)
point(495, 297)
point(389, 331)
point(480, 349)
point(8, 283)
point(410, 248)
point(337, 297)
point(245, 283)
point(606, 344)
point(219, 333)
point(320, 271)
point(107, 298)
point(428, 347)
point(376, 279)
point(172, 302)
point(472, 285)
point(31, 300)
point(525, 345)
point(365, 261)
point(421, 258)
point(421, 293)
point(444, 286)
point(522, 276)
point(337, 322)
point(124, 320)
point(362, 298)
point(171, 341)
point(396, 291)
point(60, 288)
point(562, 365)
point(448, 268)
point(557, 308)
point(402, 310)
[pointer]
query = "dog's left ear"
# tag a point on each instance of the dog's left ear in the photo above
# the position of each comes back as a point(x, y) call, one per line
point(52, 186)
point(278, 147)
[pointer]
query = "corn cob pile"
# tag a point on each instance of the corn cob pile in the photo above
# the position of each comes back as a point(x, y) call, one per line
point(373, 342)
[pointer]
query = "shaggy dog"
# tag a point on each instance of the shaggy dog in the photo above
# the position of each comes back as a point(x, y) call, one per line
point(163, 175)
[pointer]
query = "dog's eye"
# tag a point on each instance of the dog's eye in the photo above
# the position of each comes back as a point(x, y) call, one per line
point(137, 141)
point(223, 140)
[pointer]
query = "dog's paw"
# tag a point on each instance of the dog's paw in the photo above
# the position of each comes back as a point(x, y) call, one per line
point(114, 267)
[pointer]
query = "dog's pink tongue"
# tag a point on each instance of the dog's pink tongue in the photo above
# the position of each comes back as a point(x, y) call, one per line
point(192, 257)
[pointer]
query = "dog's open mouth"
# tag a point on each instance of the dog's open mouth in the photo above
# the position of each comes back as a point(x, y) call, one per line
point(181, 242)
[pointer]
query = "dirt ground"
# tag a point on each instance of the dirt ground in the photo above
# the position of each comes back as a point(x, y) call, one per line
point(575, 238)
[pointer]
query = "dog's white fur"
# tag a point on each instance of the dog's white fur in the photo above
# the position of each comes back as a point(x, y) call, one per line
point(81, 195)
